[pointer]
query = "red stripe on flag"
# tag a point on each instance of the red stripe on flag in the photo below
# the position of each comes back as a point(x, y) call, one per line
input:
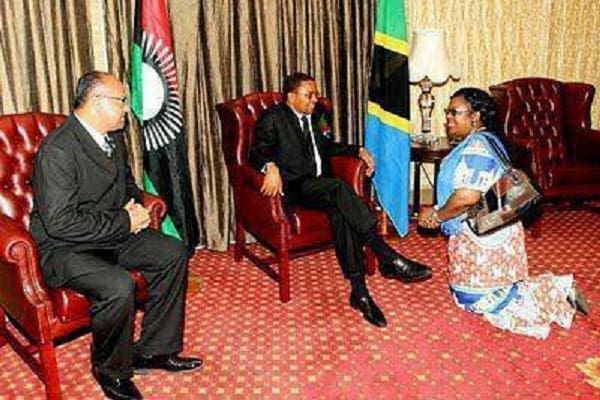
point(155, 21)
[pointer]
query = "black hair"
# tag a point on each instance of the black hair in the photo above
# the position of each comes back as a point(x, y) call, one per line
point(482, 102)
point(85, 84)
point(293, 81)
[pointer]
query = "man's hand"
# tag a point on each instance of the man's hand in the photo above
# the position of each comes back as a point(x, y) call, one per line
point(272, 184)
point(139, 217)
point(367, 157)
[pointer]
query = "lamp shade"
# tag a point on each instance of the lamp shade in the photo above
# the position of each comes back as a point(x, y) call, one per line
point(429, 57)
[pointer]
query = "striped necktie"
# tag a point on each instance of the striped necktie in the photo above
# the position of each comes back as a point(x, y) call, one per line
point(108, 146)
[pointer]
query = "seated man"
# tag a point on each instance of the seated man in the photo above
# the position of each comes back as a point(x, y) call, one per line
point(90, 228)
point(295, 161)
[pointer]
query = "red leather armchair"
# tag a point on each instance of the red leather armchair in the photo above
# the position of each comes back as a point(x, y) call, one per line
point(286, 233)
point(44, 316)
point(548, 124)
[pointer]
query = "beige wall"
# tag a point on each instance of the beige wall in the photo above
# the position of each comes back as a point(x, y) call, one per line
point(492, 41)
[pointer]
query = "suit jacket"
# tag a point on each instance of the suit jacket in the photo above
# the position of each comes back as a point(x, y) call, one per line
point(279, 139)
point(79, 195)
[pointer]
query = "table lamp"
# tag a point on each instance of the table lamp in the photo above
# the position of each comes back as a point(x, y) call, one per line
point(428, 66)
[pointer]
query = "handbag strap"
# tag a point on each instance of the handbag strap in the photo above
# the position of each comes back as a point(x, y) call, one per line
point(501, 154)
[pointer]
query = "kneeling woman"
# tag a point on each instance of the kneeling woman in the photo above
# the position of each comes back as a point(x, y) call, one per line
point(488, 274)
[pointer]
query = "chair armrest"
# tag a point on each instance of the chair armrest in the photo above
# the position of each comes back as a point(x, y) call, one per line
point(156, 207)
point(250, 203)
point(587, 146)
point(351, 170)
point(23, 293)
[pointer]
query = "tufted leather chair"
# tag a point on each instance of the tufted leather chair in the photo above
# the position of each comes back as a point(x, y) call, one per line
point(287, 233)
point(43, 315)
point(548, 124)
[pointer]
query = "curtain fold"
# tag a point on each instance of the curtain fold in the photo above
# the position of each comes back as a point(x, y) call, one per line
point(119, 15)
point(44, 47)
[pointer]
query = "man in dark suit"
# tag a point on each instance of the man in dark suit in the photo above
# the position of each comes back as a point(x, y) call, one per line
point(90, 227)
point(295, 160)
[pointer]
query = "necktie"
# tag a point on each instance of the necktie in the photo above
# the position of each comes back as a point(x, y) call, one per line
point(308, 144)
point(108, 146)
point(305, 128)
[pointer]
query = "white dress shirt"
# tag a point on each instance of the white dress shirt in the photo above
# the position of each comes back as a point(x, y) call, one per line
point(98, 137)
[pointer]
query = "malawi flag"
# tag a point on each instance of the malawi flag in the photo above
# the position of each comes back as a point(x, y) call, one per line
point(155, 102)
point(388, 114)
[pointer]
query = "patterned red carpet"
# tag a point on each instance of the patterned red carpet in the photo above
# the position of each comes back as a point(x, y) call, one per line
point(316, 346)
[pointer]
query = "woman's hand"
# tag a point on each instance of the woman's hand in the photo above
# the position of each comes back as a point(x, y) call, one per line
point(428, 218)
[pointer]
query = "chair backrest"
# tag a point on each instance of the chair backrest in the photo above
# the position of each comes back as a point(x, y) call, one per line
point(238, 120)
point(20, 138)
point(534, 108)
point(553, 112)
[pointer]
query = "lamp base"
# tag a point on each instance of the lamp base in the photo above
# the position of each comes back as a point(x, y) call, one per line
point(426, 102)
point(425, 138)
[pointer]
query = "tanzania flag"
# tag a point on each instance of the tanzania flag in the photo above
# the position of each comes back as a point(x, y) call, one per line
point(388, 114)
point(155, 102)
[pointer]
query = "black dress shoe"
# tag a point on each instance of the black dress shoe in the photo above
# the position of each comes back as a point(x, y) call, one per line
point(405, 270)
point(368, 308)
point(172, 363)
point(116, 388)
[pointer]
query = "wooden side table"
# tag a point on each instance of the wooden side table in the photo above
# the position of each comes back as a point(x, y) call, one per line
point(427, 153)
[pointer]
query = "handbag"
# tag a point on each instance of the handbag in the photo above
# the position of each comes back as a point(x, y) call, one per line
point(511, 196)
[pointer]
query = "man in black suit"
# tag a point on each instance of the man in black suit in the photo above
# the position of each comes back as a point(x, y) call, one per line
point(295, 160)
point(90, 227)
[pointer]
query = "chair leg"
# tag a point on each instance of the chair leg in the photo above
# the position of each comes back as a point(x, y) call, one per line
point(50, 371)
point(3, 340)
point(240, 242)
point(284, 276)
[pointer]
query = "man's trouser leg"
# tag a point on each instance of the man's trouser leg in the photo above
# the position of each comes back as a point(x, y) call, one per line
point(350, 219)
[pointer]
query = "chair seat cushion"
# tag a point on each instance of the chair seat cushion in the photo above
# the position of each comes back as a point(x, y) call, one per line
point(70, 306)
point(304, 220)
point(574, 175)
point(573, 181)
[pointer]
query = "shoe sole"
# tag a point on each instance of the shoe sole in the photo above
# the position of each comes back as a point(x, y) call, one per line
point(148, 371)
point(406, 280)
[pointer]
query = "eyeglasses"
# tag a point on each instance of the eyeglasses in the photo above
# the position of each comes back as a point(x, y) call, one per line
point(454, 112)
point(308, 95)
point(124, 100)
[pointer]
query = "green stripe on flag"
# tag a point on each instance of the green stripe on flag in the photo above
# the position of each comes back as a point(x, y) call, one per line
point(391, 19)
point(167, 227)
point(137, 96)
